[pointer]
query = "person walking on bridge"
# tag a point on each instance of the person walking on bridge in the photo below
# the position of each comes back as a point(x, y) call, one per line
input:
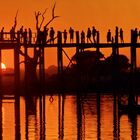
point(30, 35)
point(71, 32)
point(82, 37)
point(65, 36)
point(88, 35)
point(94, 34)
point(2, 34)
point(52, 32)
point(121, 35)
point(108, 36)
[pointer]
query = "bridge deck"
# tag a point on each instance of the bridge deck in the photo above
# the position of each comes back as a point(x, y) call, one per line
point(7, 44)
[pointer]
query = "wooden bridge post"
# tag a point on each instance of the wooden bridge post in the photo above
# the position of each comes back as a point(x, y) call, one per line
point(25, 59)
point(116, 119)
point(77, 42)
point(116, 40)
point(17, 118)
point(79, 118)
point(1, 123)
point(0, 67)
point(114, 70)
point(98, 106)
point(98, 41)
point(16, 62)
point(59, 53)
point(59, 56)
point(133, 52)
point(61, 116)
point(132, 101)
point(78, 50)
point(41, 65)
point(115, 54)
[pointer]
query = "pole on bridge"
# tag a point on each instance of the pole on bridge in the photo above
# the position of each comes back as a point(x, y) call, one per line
point(132, 101)
point(41, 65)
point(78, 72)
point(77, 42)
point(116, 40)
point(0, 67)
point(16, 62)
point(133, 51)
point(17, 118)
point(98, 41)
point(115, 54)
point(59, 56)
point(25, 59)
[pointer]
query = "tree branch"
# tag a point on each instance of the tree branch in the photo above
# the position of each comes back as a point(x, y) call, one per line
point(53, 15)
point(15, 21)
point(43, 18)
point(37, 14)
point(23, 54)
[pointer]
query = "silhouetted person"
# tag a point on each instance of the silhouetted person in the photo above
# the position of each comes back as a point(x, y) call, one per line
point(139, 34)
point(59, 37)
point(12, 33)
point(94, 34)
point(65, 36)
point(71, 32)
point(25, 36)
point(121, 35)
point(112, 40)
point(116, 34)
point(45, 35)
point(30, 36)
point(77, 36)
point(52, 32)
point(108, 36)
point(82, 37)
point(39, 34)
point(2, 34)
point(21, 33)
point(135, 35)
point(88, 35)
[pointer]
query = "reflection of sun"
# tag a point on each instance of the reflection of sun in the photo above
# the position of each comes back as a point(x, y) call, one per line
point(3, 66)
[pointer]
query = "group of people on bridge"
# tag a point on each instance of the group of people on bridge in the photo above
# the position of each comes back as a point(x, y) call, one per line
point(47, 35)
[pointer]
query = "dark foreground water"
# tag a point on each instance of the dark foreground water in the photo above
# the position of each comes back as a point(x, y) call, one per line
point(68, 117)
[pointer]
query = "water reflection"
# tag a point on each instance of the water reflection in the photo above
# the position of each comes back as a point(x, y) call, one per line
point(65, 117)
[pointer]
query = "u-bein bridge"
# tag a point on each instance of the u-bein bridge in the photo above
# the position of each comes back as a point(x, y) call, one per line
point(16, 44)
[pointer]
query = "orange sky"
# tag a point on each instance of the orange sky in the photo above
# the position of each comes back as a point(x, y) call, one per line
point(80, 14)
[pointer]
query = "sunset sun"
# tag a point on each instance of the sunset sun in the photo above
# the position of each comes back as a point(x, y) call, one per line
point(3, 66)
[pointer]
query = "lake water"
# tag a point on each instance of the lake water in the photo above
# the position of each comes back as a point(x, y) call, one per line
point(69, 117)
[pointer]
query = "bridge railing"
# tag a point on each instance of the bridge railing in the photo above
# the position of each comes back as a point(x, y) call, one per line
point(10, 37)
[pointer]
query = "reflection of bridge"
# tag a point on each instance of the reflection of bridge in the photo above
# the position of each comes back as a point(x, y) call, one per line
point(28, 111)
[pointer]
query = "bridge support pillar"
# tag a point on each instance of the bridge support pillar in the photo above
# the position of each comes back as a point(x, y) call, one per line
point(16, 68)
point(60, 57)
point(0, 67)
point(41, 65)
point(98, 41)
point(132, 100)
point(17, 63)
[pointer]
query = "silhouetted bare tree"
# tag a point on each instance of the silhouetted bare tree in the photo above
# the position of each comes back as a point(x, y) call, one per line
point(32, 62)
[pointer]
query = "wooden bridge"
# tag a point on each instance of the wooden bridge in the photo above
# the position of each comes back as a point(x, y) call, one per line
point(16, 44)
